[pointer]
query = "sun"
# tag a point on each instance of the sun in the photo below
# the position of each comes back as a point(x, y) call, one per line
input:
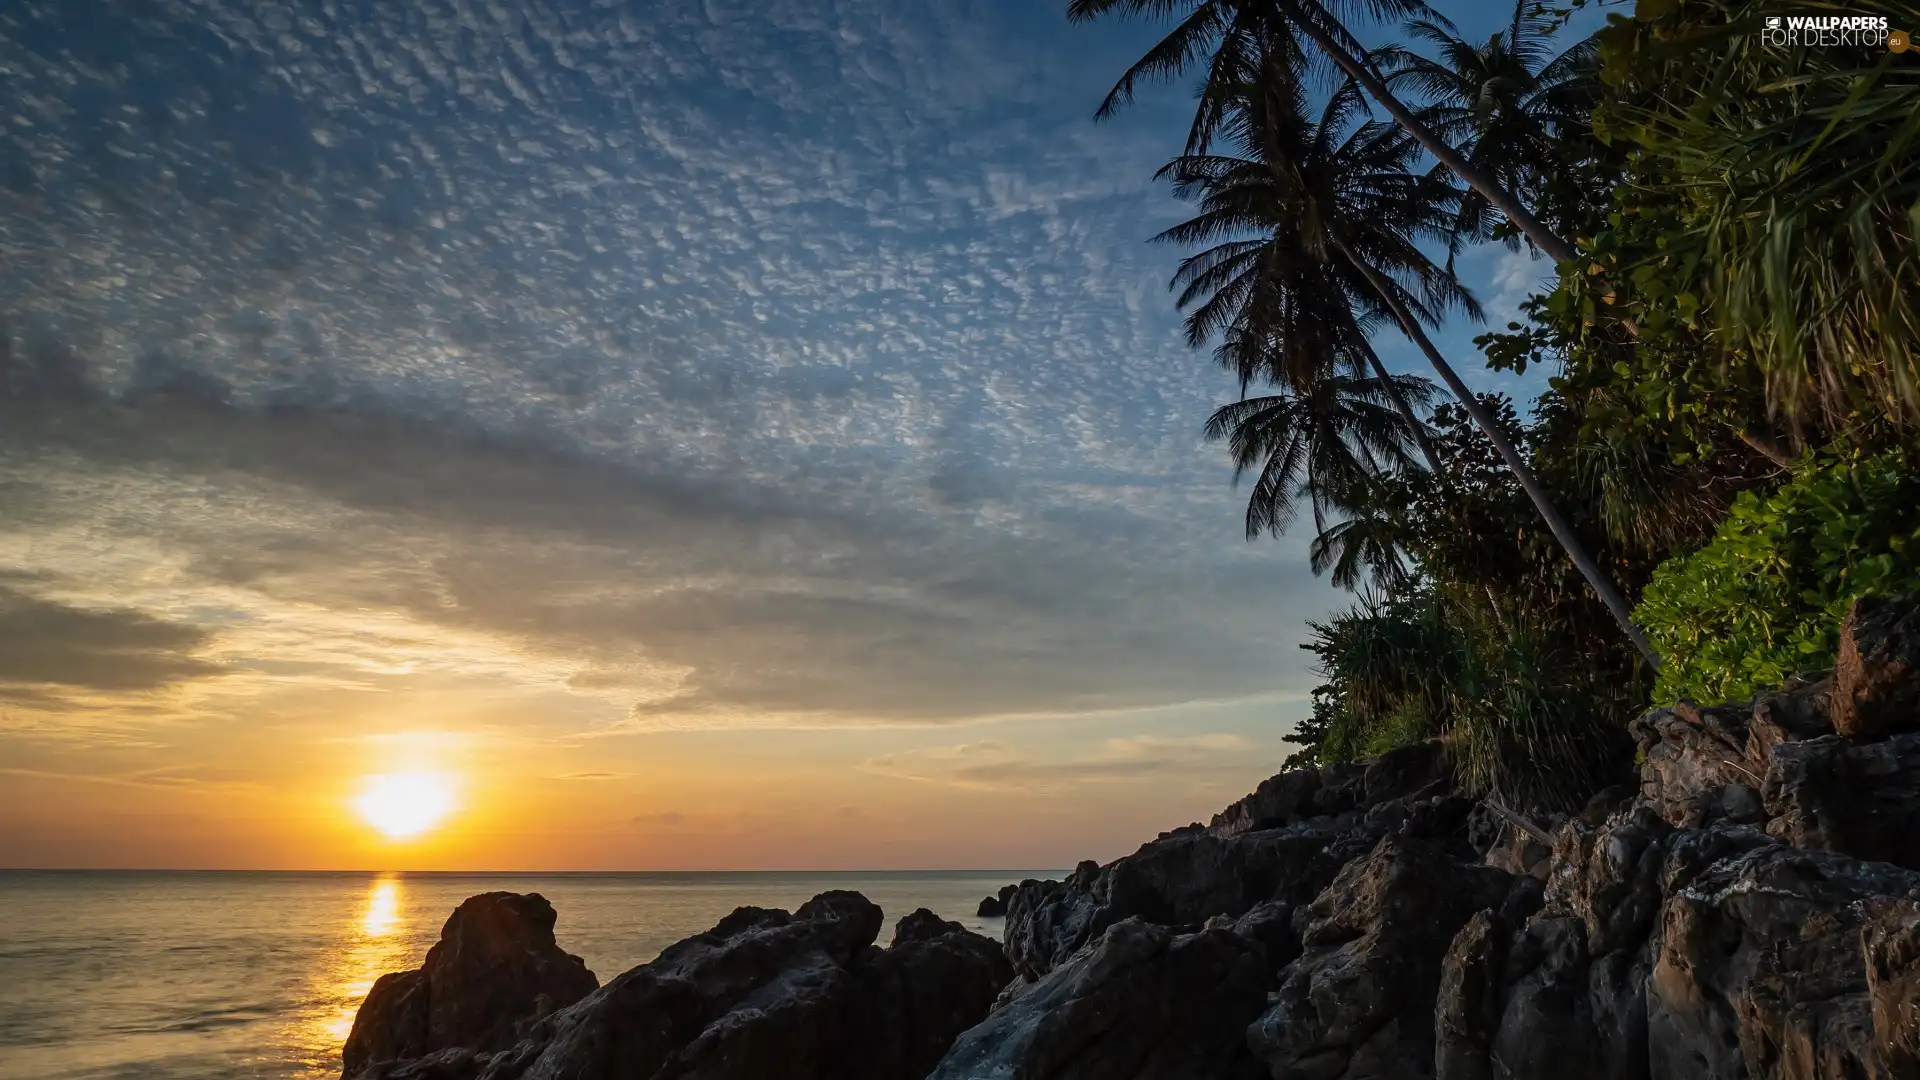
point(404, 805)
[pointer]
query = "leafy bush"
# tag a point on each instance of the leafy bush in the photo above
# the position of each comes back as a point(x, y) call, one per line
point(1765, 597)
point(1520, 719)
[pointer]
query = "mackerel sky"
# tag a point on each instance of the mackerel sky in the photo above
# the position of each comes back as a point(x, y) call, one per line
point(731, 434)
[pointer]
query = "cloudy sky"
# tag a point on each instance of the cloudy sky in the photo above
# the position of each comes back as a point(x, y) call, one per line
point(724, 434)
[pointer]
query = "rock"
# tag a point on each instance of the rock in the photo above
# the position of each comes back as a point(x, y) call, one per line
point(1759, 970)
point(1546, 1028)
point(495, 970)
point(1360, 1000)
point(1517, 852)
point(936, 980)
point(1794, 713)
point(1284, 842)
point(455, 1063)
point(1278, 801)
point(1876, 676)
point(1181, 880)
point(1467, 1003)
point(1406, 772)
point(805, 996)
point(1863, 799)
point(1142, 1003)
point(991, 907)
point(390, 1025)
point(1689, 756)
point(1270, 925)
point(1610, 877)
point(1891, 948)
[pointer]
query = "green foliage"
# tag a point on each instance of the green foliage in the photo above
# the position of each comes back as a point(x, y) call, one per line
point(1535, 729)
point(1774, 214)
point(1518, 719)
point(1765, 598)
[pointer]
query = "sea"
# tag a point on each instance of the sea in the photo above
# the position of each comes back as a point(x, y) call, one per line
point(223, 975)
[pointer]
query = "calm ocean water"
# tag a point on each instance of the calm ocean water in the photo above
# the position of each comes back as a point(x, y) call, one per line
point(212, 976)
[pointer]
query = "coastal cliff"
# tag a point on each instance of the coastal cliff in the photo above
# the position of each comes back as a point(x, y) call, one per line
point(1750, 910)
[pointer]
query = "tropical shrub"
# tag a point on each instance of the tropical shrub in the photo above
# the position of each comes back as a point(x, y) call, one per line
point(1519, 720)
point(1764, 599)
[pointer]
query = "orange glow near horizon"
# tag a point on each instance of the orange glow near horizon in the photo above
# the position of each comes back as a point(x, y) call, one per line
point(404, 806)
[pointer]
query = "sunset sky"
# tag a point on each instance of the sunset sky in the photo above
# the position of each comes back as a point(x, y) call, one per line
point(709, 435)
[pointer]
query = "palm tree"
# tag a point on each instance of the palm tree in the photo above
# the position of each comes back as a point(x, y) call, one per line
point(1328, 445)
point(1512, 105)
point(1227, 31)
point(1284, 311)
point(1336, 191)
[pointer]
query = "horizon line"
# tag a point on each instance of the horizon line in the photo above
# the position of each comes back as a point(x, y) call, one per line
point(504, 873)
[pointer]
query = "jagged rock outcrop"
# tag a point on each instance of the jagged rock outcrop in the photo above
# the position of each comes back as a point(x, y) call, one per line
point(1285, 842)
point(1858, 798)
point(1358, 1001)
point(1751, 910)
point(1759, 970)
point(1140, 1003)
point(495, 970)
point(763, 994)
point(1714, 926)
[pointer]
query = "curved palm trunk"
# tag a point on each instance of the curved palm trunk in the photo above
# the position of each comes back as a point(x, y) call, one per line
point(1535, 230)
point(1596, 578)
point(1414, 426)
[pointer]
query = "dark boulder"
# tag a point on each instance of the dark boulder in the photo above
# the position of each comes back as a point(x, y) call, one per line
point(455, 1063)
point(994, 907)
point(1278, 801)
point(1182, 880)
point(1466, 1014)
point(1142, 1003)
point(1359, 1002)
point(1860, 798)
point(935, 981)
point(1285, 842)
point(495, 970)
point(1876, 677)
point(805, 996)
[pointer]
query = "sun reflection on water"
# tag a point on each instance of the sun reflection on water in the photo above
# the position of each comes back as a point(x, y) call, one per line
point(383, 909)
point(375, 944)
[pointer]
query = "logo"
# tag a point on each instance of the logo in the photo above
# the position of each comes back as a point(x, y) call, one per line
point(1828, 31)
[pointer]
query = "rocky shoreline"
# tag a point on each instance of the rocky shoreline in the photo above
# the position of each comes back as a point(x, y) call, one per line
point(1751, 910)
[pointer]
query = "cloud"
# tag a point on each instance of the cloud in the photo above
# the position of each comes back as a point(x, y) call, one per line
point(666, 817)
point(50, 650)
point(767, 372)
point(995, 766)
point(595, 776)
point(1516, 276)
